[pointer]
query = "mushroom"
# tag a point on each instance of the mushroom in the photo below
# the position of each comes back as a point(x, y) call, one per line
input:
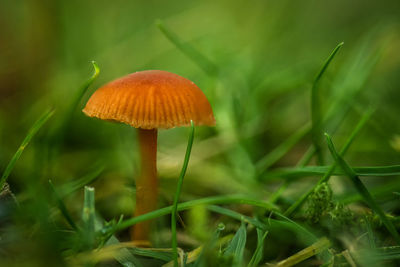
point(150, 100)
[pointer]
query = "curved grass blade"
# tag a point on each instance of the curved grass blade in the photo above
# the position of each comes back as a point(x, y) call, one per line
point(236, 215)
point(310, 235)
point(286, 222)
point(316, 112)
point(233, 199)
point(265, 225)
point(177, 194)
point(295, 173)
point(362, 189)
point(31, 133)
point(58, 134)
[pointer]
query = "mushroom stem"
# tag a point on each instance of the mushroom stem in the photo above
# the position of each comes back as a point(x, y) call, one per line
point(147, 183)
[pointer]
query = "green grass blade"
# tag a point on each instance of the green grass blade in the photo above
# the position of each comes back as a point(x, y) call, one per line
point(299, 172)
point(316, 111)
point(265, 225)
point(370, 233)
point(362, 189)
point(229, 199)
point(60, 130)
point(150, 253)
point(89, 216)
point(258, 253)
point(81, 92)
point(331, 169)
point(236, 215)
point(31, 133)
point(384, 190)
point(296, 225)
point(178, 192)
point(204, 63)
point(236, 247)
point(62, 207)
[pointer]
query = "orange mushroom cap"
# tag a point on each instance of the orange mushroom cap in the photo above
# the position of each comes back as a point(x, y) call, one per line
point(151, 99)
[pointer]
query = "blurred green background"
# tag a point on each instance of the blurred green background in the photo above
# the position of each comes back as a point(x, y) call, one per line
point(255, 60)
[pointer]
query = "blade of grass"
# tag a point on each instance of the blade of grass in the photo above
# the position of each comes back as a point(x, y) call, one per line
point(204, 63)
point(267, 223)
point(81, 92)
point(383, 190)
point(328, 174)
point(370, 233)
point(299, 172)
point(316, 112)
point(258, 253)
point(236, 247)
point(58, 134)
point(236, 215)
point(296, 225)
point(362, 189)
point(187, 205)
point(62, 207)
point(177, 194)
point(161, 254)
point(286, 222)
point(31, 133)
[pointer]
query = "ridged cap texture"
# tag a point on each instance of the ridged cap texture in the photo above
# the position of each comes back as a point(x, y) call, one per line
point(151, 99)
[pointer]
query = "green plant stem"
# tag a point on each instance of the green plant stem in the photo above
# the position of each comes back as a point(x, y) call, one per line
point(177, 194)
point(362, 189)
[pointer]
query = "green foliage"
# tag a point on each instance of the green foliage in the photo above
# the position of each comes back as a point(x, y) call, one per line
point(261, 187)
